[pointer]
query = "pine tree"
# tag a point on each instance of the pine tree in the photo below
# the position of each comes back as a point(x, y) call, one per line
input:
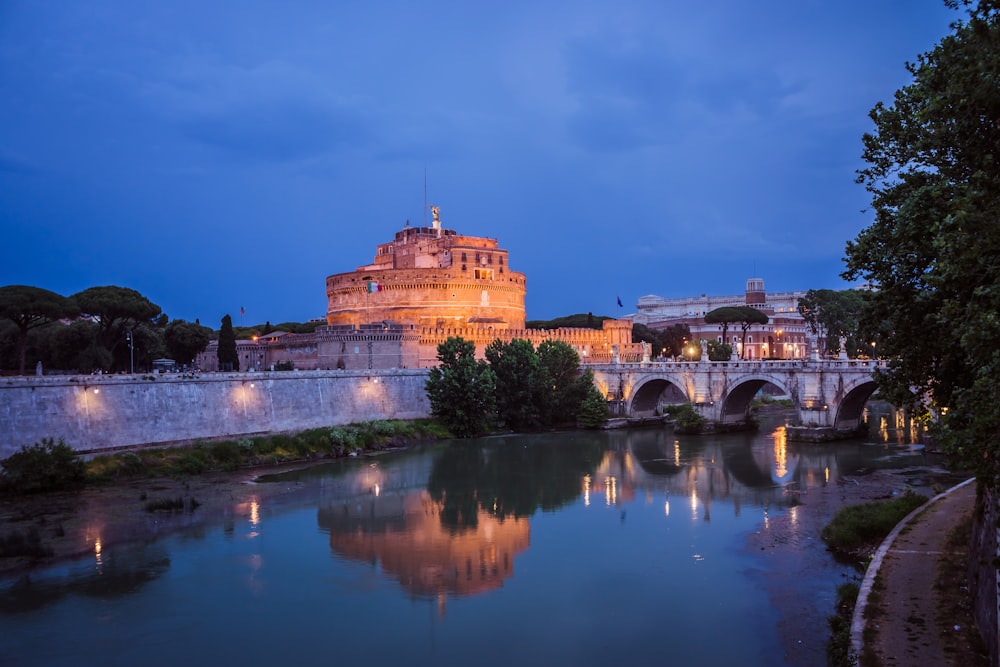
point(229, 360)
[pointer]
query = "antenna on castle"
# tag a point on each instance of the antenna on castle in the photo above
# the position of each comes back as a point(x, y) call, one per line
point(425, 194)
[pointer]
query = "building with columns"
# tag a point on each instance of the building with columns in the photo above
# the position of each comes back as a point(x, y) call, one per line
point(783, 337)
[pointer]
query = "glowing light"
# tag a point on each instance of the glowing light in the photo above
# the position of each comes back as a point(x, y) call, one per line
point(254, 513)
point(378, 492)
point(666, 507)
point(826, 474)
point(677, 453)
point(251, 385)
point(586, 490)
point(98, 559)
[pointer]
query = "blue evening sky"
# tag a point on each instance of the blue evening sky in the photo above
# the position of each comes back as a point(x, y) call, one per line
point(214, 155)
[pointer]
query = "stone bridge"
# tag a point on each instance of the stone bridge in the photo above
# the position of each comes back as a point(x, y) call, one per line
point(829, 394)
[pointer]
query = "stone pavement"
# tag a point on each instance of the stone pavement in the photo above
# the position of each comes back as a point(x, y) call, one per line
point(905, 564)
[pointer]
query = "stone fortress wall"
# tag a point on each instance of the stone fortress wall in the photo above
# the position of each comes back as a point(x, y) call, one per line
point(94, 413)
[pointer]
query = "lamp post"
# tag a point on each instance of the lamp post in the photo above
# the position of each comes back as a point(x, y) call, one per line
point(131, 352)
point(873, 351)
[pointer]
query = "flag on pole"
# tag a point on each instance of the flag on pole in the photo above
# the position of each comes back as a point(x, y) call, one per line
point(243, 311)
point(619, 302)
point(374, 287)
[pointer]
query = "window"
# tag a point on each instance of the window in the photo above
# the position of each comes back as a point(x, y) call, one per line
point(463, 257)
point(484, 274)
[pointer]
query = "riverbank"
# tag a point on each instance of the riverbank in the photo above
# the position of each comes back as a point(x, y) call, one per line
point(799, 569)
point(71, 524)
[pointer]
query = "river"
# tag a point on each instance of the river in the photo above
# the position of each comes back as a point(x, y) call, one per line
point(578, 548)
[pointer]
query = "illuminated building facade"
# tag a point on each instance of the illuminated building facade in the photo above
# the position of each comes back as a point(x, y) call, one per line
point(783, 337)
point(426, 285)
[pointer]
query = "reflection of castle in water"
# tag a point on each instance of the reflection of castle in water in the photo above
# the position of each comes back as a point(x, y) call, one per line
point(404, 534)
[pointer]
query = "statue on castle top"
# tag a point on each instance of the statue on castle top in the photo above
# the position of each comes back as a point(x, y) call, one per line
point(436, 214)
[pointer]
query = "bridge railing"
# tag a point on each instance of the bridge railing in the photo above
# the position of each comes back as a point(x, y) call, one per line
point(746, 364)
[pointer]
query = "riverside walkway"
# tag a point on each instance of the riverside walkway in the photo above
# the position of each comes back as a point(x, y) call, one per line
point(908, 632)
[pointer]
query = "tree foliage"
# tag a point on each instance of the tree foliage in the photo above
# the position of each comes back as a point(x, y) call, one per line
point(29, 307)
point(832, 314)
point(185, 340)
point(519, 381)
point(932, 253)
point(719, 351)
point(578, 321)
point(229, 359)
point(667, 342)
point(565, 386)
point(745, 316)
point(461, 389)
point(117, 310)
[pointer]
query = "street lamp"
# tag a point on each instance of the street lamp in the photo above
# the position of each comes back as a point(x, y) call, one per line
point(873, 350)
point(131, 352)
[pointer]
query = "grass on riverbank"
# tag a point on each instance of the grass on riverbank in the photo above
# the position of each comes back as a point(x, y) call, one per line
point(856, 531)
point(219, 456)
point(229, 455)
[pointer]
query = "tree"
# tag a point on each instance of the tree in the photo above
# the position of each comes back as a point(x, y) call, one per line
point(67, 344)
point(667, 342)
point(593, 409)
point(564, 386)
point(185, 340)
point(116, 310)
point(461, 389)
point(229, 359)
point(747, 316)
point(725, 316)
point(520, 383)
point(932, 254)
point(836, 314)
point(29, 307)
point(719, 351)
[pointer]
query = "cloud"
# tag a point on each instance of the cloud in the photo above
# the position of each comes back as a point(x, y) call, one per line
point(272, 111)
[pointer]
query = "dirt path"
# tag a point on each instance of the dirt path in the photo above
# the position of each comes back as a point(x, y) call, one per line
point(912, 619)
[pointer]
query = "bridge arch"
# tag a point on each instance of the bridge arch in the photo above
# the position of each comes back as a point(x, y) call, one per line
point(851, 408)
point(654, 392)
point(736, 401)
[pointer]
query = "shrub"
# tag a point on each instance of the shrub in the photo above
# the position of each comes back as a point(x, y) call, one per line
point(228, 454)
point(686, 418)
point(44, 466)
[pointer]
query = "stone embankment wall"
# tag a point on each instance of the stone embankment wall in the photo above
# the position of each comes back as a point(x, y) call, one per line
point(983, 579)
point(103, 413)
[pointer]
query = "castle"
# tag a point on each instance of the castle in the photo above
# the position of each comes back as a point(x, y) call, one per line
point(426, 285)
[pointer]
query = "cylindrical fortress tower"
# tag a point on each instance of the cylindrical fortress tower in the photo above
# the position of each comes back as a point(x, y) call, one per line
point(431, 277)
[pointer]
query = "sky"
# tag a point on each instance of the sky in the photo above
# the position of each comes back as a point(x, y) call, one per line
point(224, 155)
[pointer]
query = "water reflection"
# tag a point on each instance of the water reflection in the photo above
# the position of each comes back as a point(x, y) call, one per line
point(404, 536)
point(120, 574)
